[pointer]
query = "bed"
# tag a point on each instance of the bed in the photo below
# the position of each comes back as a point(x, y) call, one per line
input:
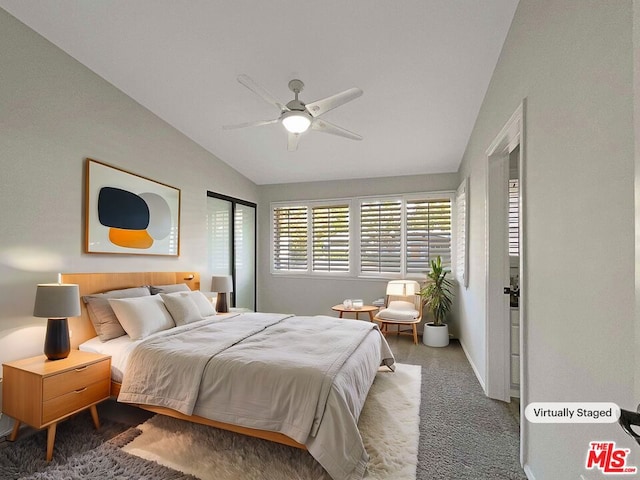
point(248, 380)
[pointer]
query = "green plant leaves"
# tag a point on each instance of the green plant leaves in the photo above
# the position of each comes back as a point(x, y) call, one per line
point(436, 294)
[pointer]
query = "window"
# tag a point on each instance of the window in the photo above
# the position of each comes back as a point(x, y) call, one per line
point(331, 238)
point(514, 218)
point(290, 239)
point(380, 236)
point(461, 264)
point(428, 233)
point(385, 236)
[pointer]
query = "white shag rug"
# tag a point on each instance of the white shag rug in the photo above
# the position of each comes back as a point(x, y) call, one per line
point(388, 425)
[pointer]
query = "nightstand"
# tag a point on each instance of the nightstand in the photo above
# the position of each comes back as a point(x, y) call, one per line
point(42, 392)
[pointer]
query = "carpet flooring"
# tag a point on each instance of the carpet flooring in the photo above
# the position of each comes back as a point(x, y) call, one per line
point(81, 452)
point(463, 434)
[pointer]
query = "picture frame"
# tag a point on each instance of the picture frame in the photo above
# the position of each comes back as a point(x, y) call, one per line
point(126, 213)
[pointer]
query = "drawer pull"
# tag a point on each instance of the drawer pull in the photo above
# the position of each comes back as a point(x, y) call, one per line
point(80, 390)
point(82, 369)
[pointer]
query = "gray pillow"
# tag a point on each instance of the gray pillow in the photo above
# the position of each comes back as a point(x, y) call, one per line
point(202, 302)
point(177, 287)
point(182, 308)
point(101, 314)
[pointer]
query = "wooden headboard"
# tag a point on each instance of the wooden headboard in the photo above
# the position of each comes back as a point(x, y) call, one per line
point(81, 327)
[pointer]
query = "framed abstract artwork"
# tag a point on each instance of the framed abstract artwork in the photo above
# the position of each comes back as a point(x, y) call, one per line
point(130, 214)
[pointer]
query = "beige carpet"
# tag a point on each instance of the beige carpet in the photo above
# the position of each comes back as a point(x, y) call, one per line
point(388, 424)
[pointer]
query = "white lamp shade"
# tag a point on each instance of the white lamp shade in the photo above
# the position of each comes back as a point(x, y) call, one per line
point(57, 300)
point(296, 122)
point(402, 288)
point(221, 284)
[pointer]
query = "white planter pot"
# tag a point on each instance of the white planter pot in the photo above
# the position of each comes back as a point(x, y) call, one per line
point(433, 336)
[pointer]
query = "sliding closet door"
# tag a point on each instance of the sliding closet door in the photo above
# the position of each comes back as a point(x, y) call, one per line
point(245, 255)
point(219, 236)
point(232, 245)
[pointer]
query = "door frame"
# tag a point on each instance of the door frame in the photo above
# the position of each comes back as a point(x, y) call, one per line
point(498, 358)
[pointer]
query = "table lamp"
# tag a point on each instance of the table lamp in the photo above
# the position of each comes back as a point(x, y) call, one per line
point(222, 285)
point(56, 302)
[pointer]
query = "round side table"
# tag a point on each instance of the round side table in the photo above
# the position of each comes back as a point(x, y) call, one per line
point(370, 309)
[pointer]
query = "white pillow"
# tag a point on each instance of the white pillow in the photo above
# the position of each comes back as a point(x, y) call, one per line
point(204, 305)
point(402, 305)
point(142, 316)
point(182, 308)
point(400, 311)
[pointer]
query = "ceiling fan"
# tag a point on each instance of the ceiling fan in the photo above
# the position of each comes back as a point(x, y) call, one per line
point(296, 116)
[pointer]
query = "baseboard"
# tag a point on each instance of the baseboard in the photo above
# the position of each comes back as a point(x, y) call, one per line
point(473, 366)
point(528, 472)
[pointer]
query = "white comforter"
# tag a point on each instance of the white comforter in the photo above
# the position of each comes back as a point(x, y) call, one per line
point(305, 377)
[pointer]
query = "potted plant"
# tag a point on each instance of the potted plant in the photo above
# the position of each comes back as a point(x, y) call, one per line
point(436, 295)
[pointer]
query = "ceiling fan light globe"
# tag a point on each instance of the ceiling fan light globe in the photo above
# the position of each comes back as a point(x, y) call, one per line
point(296, 122)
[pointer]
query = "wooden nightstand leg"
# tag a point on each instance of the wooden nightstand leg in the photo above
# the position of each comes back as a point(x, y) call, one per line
point(14, 432)
point(51, 439)
point(94, 416)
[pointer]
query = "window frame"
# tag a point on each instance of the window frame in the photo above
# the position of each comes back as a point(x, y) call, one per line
point(354, 204)
point(309, 204)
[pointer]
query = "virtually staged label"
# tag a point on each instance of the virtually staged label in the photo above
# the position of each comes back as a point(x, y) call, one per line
point(572, 412)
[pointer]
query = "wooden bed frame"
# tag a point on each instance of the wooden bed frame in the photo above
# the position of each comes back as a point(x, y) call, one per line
point(83, 330)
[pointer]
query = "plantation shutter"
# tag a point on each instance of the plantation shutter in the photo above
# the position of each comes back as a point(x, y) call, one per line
point(514, 217)
point(331, 238)
point(461, 234)
point(428, 233)
point(380, 236)
point(219, 247)
point(290, 238)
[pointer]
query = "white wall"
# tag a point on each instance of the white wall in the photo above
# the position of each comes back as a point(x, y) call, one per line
point(636, 117)
point(312, 295)
point(54, 113)
point(572, 61)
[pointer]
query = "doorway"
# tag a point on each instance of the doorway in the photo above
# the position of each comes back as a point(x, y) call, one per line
point(506, 268)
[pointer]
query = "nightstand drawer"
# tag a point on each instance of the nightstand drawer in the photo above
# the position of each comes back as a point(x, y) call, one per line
point(71, 380)
point(75, 400)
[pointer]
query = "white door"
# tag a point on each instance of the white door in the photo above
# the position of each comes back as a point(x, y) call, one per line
point(498, 315)
point(498, 353)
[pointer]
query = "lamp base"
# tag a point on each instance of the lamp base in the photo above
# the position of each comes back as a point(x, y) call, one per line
point(56, 342)
point(221, 303)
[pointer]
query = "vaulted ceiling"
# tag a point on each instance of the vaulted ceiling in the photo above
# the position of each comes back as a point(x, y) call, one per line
point(424, 67)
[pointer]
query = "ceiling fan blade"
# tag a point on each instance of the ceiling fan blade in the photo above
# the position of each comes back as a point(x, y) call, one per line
point(326, 127)
point(261, 92)
point(250, 124)
point(319, 107)
point(292, 141)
